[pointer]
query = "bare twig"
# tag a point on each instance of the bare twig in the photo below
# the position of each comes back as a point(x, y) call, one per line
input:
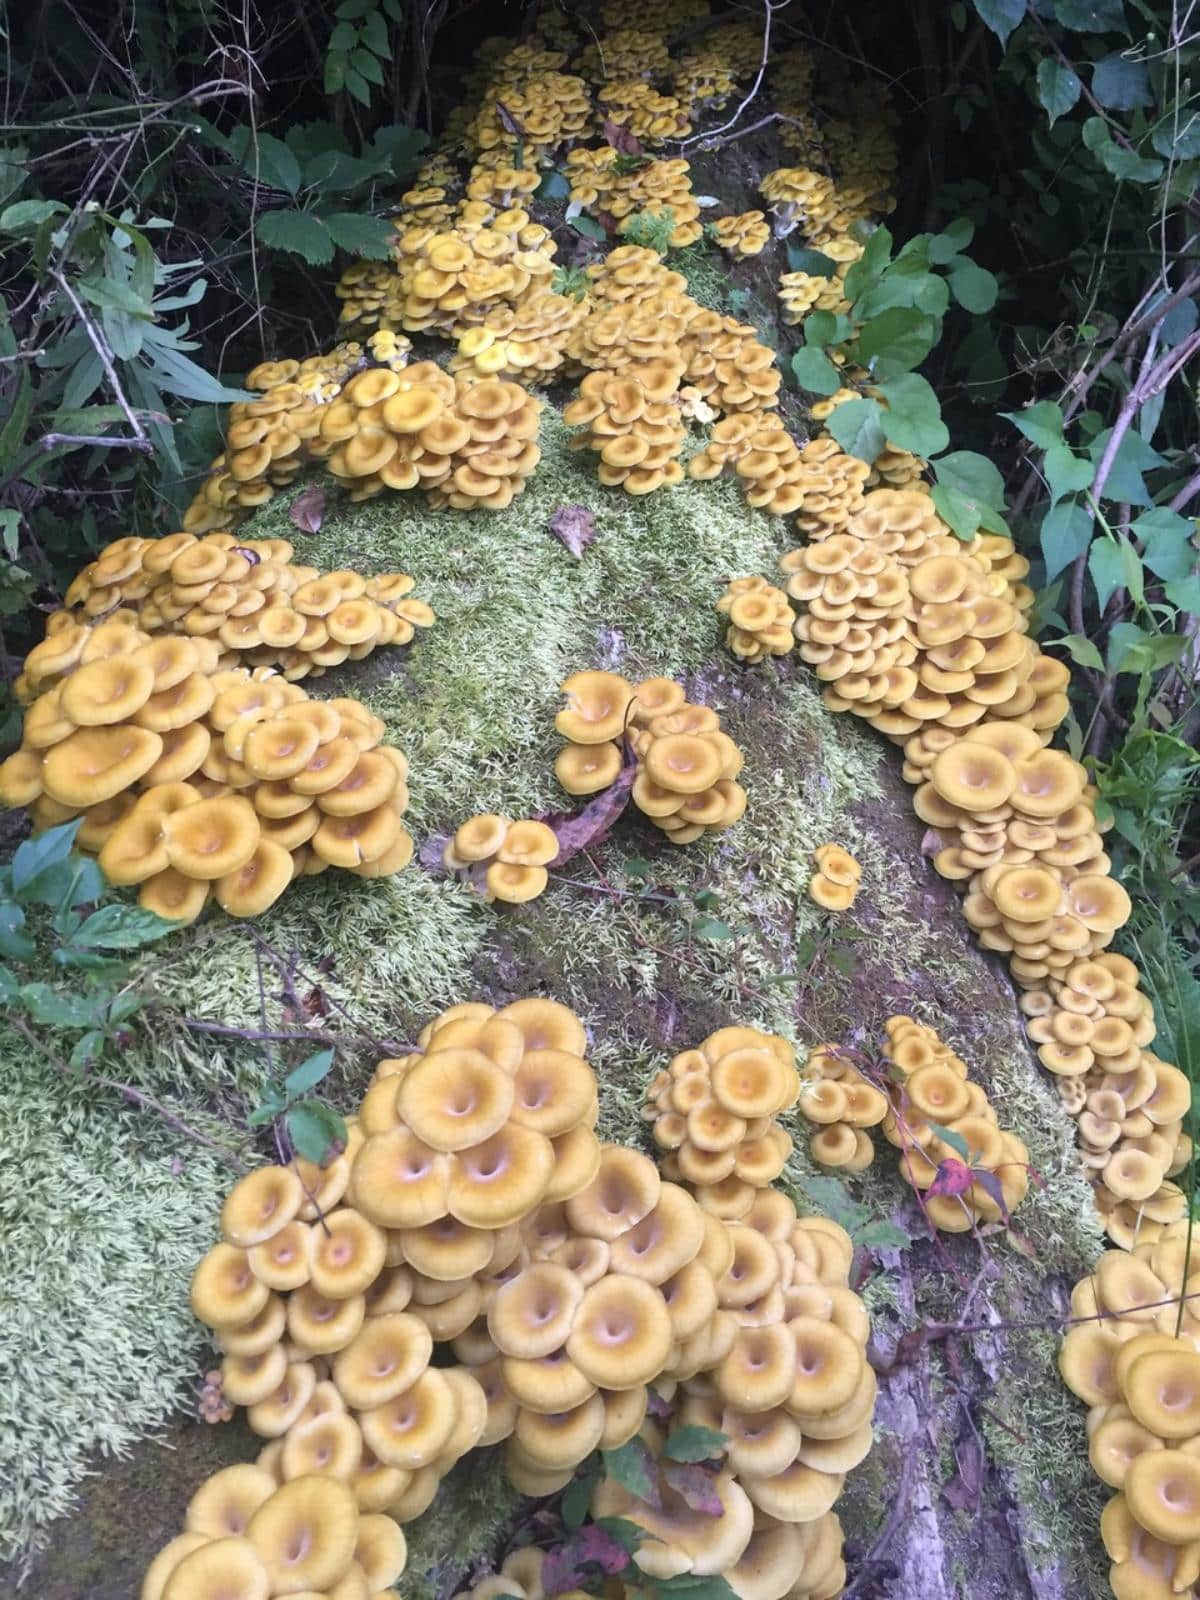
point(769, 9)
point(105, 355)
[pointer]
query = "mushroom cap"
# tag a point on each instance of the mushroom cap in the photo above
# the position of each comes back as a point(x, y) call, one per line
point(499, 1181)
point(372, 780)
point(974, 776)
point(411, 1430)
point(212, 838)
point(1162, 1389)
point(1162, 1490)
point(279, 748)
point(455, 1098)
point(547, 1025)
point(96, 763)
point(828, 1366)
point(305, 1534)
point(381, 1550)
point(272, 1417)
point(797, 1494)
point(557, 1440)
point(224, 1569)
point(224, 1503)
point(1027, 894)
point(166, 1561)
point(753, 1082)
point(626, 1188)
point(399, 1181)
point(529, 843)
point(514, 883)
point(321, 1323)
point(597, 707)
point(480, 837)
point(683, 763)
point(348, 1253)
point(531, 1315)
point(772, 1563)
point(260, 1204)
point(586, 769)
point(1100, 903)
point(622, 1333)
point(383, 1360)
point(328, 1445)
point(224, 1291)
point(552, 1092)
point(756, 1374)
point(173, 896)
point(257, 883)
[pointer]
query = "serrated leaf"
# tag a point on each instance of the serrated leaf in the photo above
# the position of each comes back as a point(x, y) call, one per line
point(693, 1442)
point(272, 162)
point(308, 1074)
point(360, 234)
point(299, 232)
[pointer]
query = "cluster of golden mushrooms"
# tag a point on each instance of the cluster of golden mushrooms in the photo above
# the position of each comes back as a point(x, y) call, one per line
point(506, 859)
point(841, 1102)
point(686, 780)
point(194, 780)
point(760, 620)
point(1133, 1358)
point(250, 598)
point(473, 1208)
point(715, 1112)
point(834, 884)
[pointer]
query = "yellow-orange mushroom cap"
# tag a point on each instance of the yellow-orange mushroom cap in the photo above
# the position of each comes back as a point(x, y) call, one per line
point(411, 1430)
point(1162, 1490)
point(597, 705)
point(280, 748)
point(223, 1504)
point(586, 769)
point(399, 1181)
point(107, 691)
point(225, 1567)
point(95, 764)
point(348, 1254)
point(212, 838)
point(531, 1315)
point(455, 1098)
point(257, 883)
point(552, 1092)
point(683, 763)
point(1162, 1390)
point(529, 843)
point(260, 1204)
point(305, 1534)
point(622, 1333)
point(501, 1180)
point(626, 1188)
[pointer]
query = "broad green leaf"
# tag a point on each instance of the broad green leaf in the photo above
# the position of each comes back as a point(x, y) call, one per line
point(554, 186)
point(272, 162)
point(343, 38)
point(1107, 569)
point(1082, 651)
point(1091, 16)
point(883, 1236)
point(1166, 539)
point(1129, 165)
point(122, 927)
point(60, 1008)
point(1134, 457)
point(361, 234)
point(974, 287)
point(364, 61)
point(1001, 16)
point(297, 231)
point(632, 1466)
point(693, 1442)
point(124, 1006)
point(317, 1132)
point(15, 943)
point(1041, 423)
point(1066, 473)
point(1122, 84)
point(357, 85)
point(952, 241)
point(857, 425)
point(973, 475)
point(34, 856)
point(1185, 593)
point(1059, 87)
point(1177, 136)
point(25, 214)
point(589, 227)
point(960, 512)
point(896, 340)
point(308, 1074)
point(954, 1139)
point(1066, 533)
point(814, 262)
point(877, 251)
point(374, 34)
point(913, 419)
point(712, 928)
point(825, 328)
point(335, 73)
point(815, 372)
point(87, 1047)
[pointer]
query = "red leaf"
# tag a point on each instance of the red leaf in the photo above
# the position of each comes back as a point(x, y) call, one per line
point(990, 1184)
point(932, 842)
point(575, 526)
point(621, 139)
point(965, 1489)
point(954, 1177)
point(307, 510)
point(694, 1486)
point(580, 830)
point(589, 1546)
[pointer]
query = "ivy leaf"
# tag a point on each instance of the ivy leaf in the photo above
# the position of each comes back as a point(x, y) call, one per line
point(1059, 87)
point(308, 1074)
point(694, 1442)
point(1107, 568)
point(360, 234)
point(1121, 84)
point(974, 287)
point(299, 232)
point(815, 372)
point(632, 1466)
point(1042, 424)
point(1065, 534)
point(316, 1131)
point(858, 427)
point(914, 415)
point(1001, 16)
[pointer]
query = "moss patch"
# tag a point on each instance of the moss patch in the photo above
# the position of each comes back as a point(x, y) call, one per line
point(472, 704)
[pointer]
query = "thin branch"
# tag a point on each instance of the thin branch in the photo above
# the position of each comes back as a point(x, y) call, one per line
point(225, 1030)
point(703, 138)
point(1186, 495)
point(102, 350)
point(51, 441)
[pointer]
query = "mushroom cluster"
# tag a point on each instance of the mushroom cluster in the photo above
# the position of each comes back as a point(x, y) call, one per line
point(520, 1576)
point(249, 598)
point(255, 1532)
point(636, 434)
point(930, 1088)
point(715, 1112)
point(802, 292)
point(650, 117)
point(626, 52)
point(1135, 1363)
point(194, 781)
point(835, 882)
point(843, 1102)
point(686, 780)
point(452, 279)
point(548, 106)
point(502, 859)
point(760, 620)
point(527, 342)
point(769, 464)
point(744, 235)
point(1093, 1027)
point(601, 182)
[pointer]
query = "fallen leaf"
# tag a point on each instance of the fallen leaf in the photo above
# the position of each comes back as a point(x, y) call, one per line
point(990, 1184)
point(953, 1177)
point(965, 1489)
point(307, 510)
point(694, 1486)
point(429, 855)
point(575, 526)
point(580, 830)
point(932, 842)
point(565, 1567)
point(508, 122)
point(621, 139)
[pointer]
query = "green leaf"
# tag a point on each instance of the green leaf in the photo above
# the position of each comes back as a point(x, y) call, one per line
point(178, 375)
point(358, 86)
point(308, 1074)
point(554, 186)
point(34, 856)
point(87, 1047)
point(825, 328)
point(1166, 537)
point(974, 287)
point(335, 73)
point(712, 928)
point(877, 252)
point(1066, 473)
point(896, 340)
point(1091, 16)
point(830, 1197)
point(317, 1132)
point(589, 227)
point(362, 235)
point(368, 65)
point(883, 1236)
point(815, 372)
point(693, 1442)
point(59, 1009)
point(1059, 87)
point(298, 231)
point(952, 241)
point(122, 927)
point(1082, 651)
point(26, 214)
point(1107, 569)
point(913, 420)
point(814, 262)
point(1001, 16)
point(1129, 165)
point(973, 477)
point(858, 426)
point(1066, 533)
point(1177, 136)
point(343, 38)
point(632, 1466)
point(15, 943)
point(1121, 84)
point(1042, 423)
point(578, 1496)
point(272, 161)
point(1185, 593)
point(374, 34)
point(268, 1108)
point(124, 1006)
point(960, 512)
point(955, 1141)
